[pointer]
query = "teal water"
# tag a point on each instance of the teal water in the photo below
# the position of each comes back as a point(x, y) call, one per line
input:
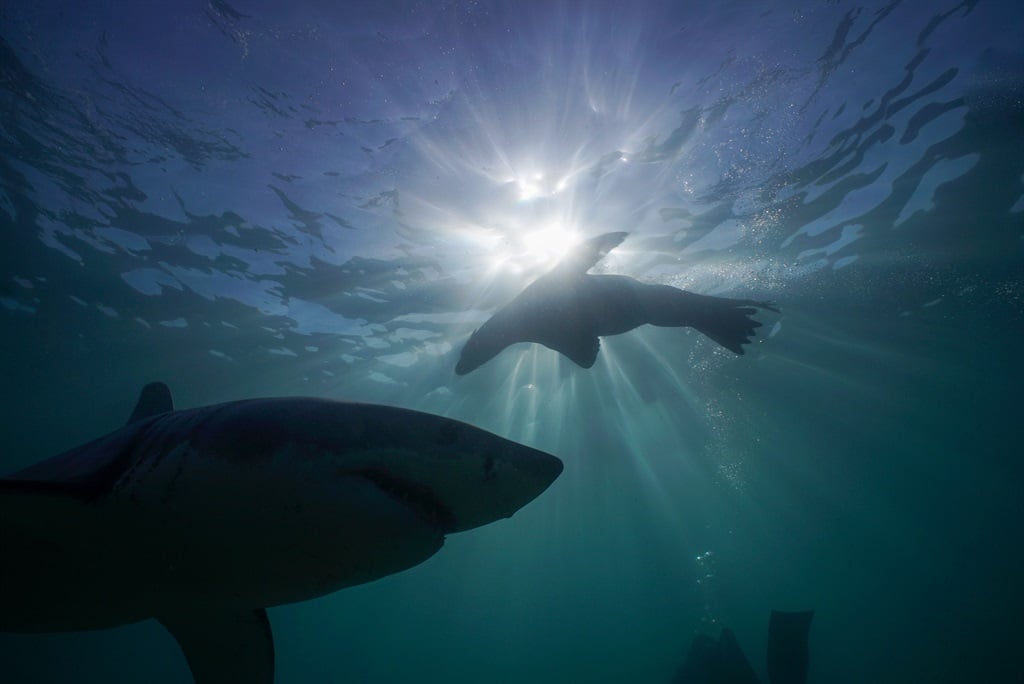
point(259, 200)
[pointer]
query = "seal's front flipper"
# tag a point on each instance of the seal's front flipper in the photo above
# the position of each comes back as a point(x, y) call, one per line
point(787, 646)
point(580, 347)
point(226, 647)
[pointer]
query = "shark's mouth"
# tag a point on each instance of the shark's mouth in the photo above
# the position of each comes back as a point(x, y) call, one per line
point(414, 496)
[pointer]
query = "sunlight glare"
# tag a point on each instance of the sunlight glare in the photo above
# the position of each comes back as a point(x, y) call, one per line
point(549, 244)
point(536, 185)
point(530, 187)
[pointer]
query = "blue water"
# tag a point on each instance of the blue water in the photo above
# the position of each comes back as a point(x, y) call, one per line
point(257, 198)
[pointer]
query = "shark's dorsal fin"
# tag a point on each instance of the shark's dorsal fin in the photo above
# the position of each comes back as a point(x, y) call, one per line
point(226, 647)
point(154, 399)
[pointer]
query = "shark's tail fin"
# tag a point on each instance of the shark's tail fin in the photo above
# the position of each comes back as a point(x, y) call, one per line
point(729, 322)
point(787, 646)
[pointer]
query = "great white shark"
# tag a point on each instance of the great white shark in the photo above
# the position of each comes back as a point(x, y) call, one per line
point(202, 518)
point(569, 310)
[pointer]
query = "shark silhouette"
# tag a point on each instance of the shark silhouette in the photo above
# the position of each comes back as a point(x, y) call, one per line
point(202, 518)
point(568, 310)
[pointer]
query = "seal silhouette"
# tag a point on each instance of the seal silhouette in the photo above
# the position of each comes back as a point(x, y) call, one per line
point(569, 310)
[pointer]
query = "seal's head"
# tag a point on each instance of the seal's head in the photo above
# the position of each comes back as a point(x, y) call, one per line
point(481, 347)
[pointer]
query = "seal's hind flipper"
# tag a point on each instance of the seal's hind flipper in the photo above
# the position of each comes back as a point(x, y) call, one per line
point(729, 322)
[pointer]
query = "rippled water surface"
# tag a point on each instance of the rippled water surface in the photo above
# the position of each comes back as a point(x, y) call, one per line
point(261, 198)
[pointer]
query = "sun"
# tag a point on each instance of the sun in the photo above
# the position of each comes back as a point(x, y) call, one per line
point(532, 250)
point(548, 244)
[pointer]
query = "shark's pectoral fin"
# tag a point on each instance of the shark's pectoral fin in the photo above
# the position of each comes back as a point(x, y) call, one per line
point(226, 647)
point(581, 348)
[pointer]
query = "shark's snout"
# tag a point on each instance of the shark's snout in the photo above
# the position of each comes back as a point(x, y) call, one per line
point(502, 478)
point(539, 467)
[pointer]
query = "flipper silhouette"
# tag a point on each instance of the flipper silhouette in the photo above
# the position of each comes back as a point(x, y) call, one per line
point(715, 662)
point(787, 646)
point(723, 662)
